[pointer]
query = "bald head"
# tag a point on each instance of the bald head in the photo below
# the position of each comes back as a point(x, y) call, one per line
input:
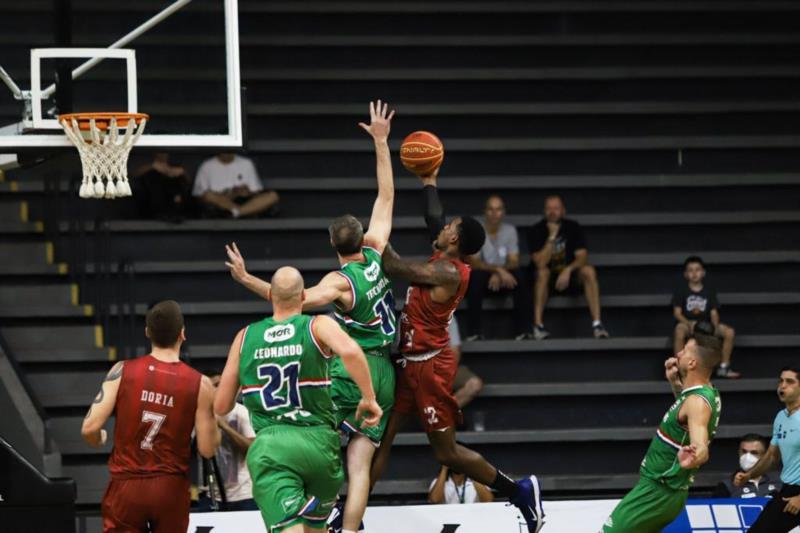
point(287, 285)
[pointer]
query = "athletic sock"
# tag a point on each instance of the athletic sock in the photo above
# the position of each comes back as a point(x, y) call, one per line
point(596, 323)
point(505, 486)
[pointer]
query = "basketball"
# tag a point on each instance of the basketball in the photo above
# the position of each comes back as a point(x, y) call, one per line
point(421, 153)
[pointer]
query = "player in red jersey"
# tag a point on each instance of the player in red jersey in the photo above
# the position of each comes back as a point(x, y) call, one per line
point(425, 381)
point(158, 401)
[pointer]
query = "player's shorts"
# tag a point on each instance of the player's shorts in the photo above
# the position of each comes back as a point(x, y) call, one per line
point(648, 508)
point(159, 503)
point(425, 389)
point(296, 473)
point(346, 395)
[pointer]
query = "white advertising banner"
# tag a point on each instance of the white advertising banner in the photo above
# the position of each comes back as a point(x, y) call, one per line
point(562, 517)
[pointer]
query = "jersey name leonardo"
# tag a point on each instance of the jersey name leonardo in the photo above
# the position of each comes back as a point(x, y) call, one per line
point(661, 463)
point(371, 322)
point(284, 374)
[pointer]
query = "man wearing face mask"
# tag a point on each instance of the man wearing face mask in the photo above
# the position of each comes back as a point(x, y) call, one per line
point(752, 447)
point(782, 513)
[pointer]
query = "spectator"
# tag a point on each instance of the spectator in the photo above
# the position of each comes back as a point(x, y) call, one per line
point(237, 436)
point(454, 487)
point(228, 185)
point(752, 447)
point(467, 384)
point(560, 259)
point(694, 303)
point(496, 268)
point(163, 189)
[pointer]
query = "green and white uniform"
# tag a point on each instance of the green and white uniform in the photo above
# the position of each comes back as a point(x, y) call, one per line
point(371, 322)
point(294, 462)
point(659, 496)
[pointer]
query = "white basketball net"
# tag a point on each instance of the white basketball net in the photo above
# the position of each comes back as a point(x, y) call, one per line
point(104, 156)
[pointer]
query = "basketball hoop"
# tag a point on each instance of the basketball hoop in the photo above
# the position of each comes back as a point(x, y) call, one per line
point(104, 152)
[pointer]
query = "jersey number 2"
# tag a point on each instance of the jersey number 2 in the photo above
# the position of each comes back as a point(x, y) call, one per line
point(156, 420)
point(276, 375)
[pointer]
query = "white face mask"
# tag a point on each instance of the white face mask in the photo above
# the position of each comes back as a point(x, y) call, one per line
point(747, 461)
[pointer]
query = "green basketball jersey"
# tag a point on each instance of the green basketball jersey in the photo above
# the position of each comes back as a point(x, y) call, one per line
point(371, 322)
point(661, 461)
point(284, 374)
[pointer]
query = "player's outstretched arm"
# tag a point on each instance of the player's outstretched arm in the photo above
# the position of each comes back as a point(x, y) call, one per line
point(228, 387)
point(235, 264)
point(331, 335)
point(92, 429)
point(332, 288)
point(698, 414)
point(435, 273)
point(380, 224)
point(205, 423)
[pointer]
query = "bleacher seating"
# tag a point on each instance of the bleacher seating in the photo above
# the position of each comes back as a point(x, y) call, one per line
point(670, 128)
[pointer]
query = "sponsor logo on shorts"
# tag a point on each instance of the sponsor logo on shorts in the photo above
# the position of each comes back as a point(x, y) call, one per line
point(280, 333)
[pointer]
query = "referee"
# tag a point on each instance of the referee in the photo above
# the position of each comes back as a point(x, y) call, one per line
point(781, 513)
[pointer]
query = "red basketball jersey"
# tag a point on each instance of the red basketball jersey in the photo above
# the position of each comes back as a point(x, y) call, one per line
point(155, 412)
point(423, 323)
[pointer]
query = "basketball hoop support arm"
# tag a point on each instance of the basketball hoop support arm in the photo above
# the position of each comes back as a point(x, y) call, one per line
point(89, 64)
point(15, 90)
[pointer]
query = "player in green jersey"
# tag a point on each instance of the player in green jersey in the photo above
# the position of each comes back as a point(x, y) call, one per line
point(282, 364)
point(680, 446)
point(362, 295)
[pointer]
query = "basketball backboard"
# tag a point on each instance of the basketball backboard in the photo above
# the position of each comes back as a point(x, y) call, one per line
point(178, 61)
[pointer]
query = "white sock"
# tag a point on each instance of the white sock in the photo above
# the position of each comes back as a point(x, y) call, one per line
point(235, 212)
point(596, 323)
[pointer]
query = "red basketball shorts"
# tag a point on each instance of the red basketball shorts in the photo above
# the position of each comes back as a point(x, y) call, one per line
point(425, 389)
point(161, 502)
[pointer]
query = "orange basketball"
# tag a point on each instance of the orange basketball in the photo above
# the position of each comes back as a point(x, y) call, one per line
point(421, 153)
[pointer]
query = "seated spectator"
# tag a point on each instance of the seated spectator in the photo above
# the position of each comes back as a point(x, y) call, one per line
point(751, 448)
point(559, 259)
point(237, 436)
point(496, 268)
point(163, 189)
point(467, 384)
point(454, 487)
point(228, 186)
point(693, 303)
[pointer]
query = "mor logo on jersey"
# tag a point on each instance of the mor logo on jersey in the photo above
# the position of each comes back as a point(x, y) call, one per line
point(372, 271)
point(281, 333)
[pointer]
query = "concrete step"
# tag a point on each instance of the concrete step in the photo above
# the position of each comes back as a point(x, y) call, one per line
point(63, 294)
point(91, 354)
point(20, 254)
point(13, 212)
point(54, 337)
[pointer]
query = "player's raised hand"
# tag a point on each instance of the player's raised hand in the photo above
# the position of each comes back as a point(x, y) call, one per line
point(370, 410)
point(430, 179)
point(687, 456)
point(235, 262)
point(380, 121)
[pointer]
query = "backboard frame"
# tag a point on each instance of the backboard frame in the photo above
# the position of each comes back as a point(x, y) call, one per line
point(233, 139)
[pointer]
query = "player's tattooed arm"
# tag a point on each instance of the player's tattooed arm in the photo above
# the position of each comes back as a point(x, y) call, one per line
point(436, 273)
point(102, 407)
point(235, 264)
